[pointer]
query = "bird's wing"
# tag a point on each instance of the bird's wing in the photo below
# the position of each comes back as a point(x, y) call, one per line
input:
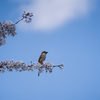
point(40, 59)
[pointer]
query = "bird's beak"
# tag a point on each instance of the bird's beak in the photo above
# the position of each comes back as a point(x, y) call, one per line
point(46, 52)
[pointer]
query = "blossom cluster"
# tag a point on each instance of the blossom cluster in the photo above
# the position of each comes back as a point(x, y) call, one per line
point(20, 66)
point(27, 16)
point(47, 66)
point(11, 65)
point(6, 28)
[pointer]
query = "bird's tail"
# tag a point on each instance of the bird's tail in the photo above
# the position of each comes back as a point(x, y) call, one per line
point(38, 74)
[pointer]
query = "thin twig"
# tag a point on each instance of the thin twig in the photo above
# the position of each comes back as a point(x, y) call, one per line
point(58, 65)
point(19, 21)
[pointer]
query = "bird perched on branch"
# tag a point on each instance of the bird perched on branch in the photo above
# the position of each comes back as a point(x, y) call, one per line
point(42, 58)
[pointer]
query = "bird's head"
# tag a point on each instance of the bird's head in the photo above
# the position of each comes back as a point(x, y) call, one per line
point(45, 52)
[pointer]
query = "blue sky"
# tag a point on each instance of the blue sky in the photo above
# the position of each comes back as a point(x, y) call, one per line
point(70, 32)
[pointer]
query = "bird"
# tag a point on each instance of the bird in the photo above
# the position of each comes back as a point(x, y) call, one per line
point(42, 58)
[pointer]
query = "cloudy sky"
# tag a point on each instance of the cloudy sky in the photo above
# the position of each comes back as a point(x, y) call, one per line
point(70, 31)
point(51, 14)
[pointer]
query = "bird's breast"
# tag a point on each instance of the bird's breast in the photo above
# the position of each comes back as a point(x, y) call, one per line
point(43, 56)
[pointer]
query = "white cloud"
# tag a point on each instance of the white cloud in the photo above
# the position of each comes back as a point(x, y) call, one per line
point(50, 14)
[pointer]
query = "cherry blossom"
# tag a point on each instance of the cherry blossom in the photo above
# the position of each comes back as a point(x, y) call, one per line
point(27, 16)
point(8, 28)
point(20, 66)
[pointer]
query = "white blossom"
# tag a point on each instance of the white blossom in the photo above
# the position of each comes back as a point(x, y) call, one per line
point(20, 66)
point(6, 28)
point(27, 16)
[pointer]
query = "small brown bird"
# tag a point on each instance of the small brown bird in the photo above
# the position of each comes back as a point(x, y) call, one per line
point(42, 58)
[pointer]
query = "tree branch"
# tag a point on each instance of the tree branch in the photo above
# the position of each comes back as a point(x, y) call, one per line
point(20, 66)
